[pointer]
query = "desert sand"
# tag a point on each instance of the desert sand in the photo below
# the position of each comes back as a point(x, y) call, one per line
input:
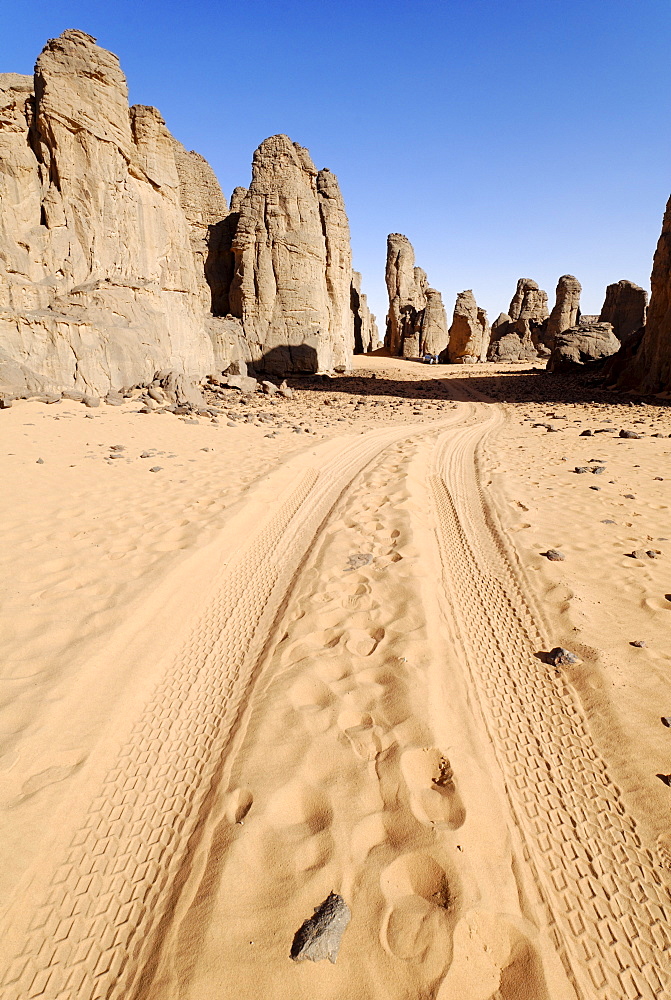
point(303, 648)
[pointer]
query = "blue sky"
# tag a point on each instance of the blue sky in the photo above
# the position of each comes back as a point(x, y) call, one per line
point(505, 139)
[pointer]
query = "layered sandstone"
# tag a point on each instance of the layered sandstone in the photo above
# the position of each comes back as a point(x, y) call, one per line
point(293, 268)
point(566, 310)
point(366, 337)
point(416, 321)
point(98, 280)
point(624, 307)
point(120, 258)
point(469, 333)
point(518, 334)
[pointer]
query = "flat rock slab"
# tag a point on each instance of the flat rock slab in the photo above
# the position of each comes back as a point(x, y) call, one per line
point(320, 935)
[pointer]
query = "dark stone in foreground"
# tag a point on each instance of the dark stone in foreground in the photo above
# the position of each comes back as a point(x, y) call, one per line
point(554, 555)
point(560, 657)
point(629, 434)
point(319, 937)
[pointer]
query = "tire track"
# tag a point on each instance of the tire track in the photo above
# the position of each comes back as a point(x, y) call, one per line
point(106, 895)
point(608, 904)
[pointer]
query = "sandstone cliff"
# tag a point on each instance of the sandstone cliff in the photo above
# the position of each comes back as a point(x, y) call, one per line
point(98, 281)
point(624, 308)
point(293, 270)
point(566, 310)
point(416, 322)
point(644, 362)
point(469, 332)
point(366, 337)
point(119, 256)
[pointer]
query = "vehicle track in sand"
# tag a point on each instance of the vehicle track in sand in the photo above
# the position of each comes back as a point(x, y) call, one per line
point(605, 896)
point(90, 923)
point(606, 893)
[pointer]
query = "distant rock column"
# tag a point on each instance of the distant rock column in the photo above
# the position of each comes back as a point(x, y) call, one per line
point(292, 281)
point(517, 335)
point(624, 308)
point(469, 333)
point(365, 327)
point(566, 310)
point(433, 329)
point(406, 286)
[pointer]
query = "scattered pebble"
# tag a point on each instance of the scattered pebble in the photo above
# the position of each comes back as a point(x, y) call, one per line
point(560, 657)
point(320, 935)
point(40, 461)
point(359, 559)
point(156, 468)
point(630, 434)
point(554, 555)
point(640, 643)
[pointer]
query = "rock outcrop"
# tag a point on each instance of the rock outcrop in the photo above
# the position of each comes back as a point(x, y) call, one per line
point(406, 286)
point(643, 363)
point(469, 333)
point(433, 334)
point(366, 337)
point(624, 308)
point(120, 258)
point(99, 285)
point(293, 269)
point(416, 321)
point(566, 310)
point(518, 334)
point(582, 344)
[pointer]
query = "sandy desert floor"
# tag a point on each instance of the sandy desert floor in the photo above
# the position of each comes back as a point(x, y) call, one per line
point(302, 648)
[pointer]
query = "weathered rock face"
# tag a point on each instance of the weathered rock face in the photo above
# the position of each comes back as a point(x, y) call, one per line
point(366, 338)
point(469, 332)
point(98, 282)
point(566, 310)
point(529, 302)
point(518, 334)
point(117, 253)
point(582, 344)
point(405, 285)
point(205, 208)
point(644, 363)
point(624, 308)
point(416, 322)
point(433, 327)
point(293, 272)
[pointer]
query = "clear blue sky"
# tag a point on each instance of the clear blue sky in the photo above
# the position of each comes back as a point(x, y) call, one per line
point(505, 139)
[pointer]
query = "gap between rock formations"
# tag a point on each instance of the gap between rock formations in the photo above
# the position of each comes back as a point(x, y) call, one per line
point(363, 731)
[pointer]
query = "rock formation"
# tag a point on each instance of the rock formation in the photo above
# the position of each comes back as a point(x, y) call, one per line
point(566, 310)
point(518, 334)
point(469, 332)
point(98, 279)
point(366, 338)
point(581, 344)
point(405, 287)
point(433, 325)
point(624, 308)
point(293, 271)
point(643, 363)
point(416, 319)
point(119, 257)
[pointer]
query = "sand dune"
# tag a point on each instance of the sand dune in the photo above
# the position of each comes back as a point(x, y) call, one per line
point(276, 669)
